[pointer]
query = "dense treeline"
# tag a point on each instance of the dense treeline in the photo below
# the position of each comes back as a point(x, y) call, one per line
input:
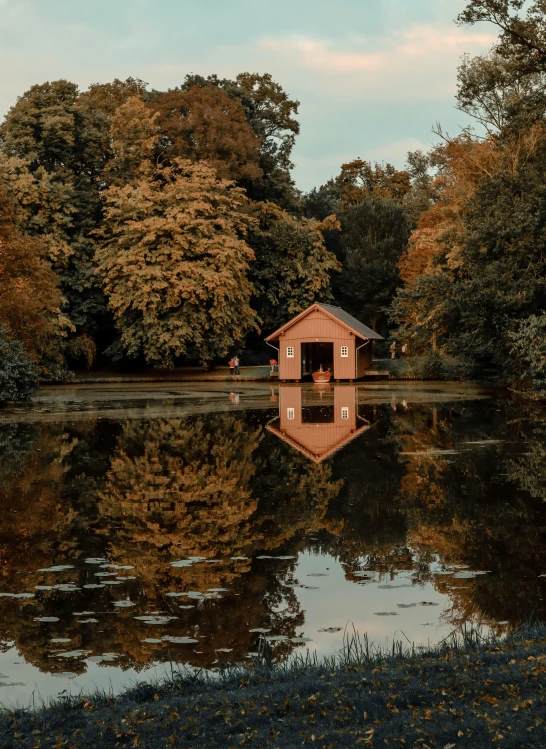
point(140, 227)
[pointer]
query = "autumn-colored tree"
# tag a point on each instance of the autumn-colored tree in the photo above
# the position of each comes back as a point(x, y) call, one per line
point(174, 264)
point(107, 97)
point(292, 267)
point(205, 124)
point(359, 179)
point(53, 153)
point(133, 138)
point(271, 114)
point(29, 293)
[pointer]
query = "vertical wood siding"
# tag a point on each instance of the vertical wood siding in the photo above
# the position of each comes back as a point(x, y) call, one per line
point(317, 327)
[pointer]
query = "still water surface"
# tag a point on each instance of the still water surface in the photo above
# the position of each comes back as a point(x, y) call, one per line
point(168, 524)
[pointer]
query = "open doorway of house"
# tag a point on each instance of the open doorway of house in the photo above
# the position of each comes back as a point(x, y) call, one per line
point(313, 355)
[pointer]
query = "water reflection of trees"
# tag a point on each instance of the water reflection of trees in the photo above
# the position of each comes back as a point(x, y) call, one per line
point(149, 493)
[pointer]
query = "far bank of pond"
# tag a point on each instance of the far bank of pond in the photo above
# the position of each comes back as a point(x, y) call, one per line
point(163, 524)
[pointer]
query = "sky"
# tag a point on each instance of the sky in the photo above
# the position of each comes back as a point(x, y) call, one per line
point(373, 76)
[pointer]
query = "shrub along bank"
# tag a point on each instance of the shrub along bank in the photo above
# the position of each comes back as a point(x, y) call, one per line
point(479, 693)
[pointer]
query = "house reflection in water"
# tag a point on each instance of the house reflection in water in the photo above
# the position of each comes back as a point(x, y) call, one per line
point(318, 420)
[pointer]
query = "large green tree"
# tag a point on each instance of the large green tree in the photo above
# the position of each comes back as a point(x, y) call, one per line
point(374, 236)
point(53, 152)
point(293, 266)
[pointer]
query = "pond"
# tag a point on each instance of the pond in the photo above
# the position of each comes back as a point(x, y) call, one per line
point(146, 526)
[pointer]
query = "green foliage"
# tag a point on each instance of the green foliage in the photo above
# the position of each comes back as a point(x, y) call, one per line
point(53, 153)
point(528, 348)
point(174, 264)
point(292, 266)
point(374, 236)
point(18, 374)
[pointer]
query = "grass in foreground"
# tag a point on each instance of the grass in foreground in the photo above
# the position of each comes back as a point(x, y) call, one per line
point(472, 692)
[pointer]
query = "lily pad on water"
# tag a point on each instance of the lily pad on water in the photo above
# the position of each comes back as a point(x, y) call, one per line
point(24, 595)
point(260, 630)
point(60, 639)
point(428, 603)
point(73, 654)
point(112, 582)
point(106, 574)
point(385, 613)
point(300, 640)
point(67, 587)
point(391, 587)
point(174, 594)
point(217, 590)
point(276, 638)
point(95, 560)
point(158, 620)
point(42, 587)
point(180, 640)
point(152, 641)
point(83, 613)
point(469, 574)
point(188, 562)
point(406, 605)
point(121, 566)
point(57, 568)
point(267, 556)
point(186, 607)
point(46, 618)
point(224, 650)
point(93, 586)
point(88, 621)
point(317, 574)
point(124, 604)
point(330, 629)
point(239, 559)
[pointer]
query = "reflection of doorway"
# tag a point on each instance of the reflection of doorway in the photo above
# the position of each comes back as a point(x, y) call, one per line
point(313, 355)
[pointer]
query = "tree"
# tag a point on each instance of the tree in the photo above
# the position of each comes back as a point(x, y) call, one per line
point(272, 116)
point(18, 374)
point(29, 294)
point(53, 153)
point(374, 236)
point(528, 347)
point(205, 124)
point(292, 267)
point(174, 264)
point(359, 179)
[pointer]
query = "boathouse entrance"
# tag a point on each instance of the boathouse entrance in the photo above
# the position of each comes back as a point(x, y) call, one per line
point(313, 355)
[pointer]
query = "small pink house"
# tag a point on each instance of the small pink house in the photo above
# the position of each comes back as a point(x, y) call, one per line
point(323, 335)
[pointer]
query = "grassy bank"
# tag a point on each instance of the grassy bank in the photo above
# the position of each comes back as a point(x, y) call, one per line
point(472, 692)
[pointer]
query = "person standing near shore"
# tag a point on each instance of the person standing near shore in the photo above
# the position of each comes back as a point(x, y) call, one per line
point(236, 365)
point(231, 365)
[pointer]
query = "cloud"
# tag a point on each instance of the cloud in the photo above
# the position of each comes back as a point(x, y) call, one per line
point(420, 61)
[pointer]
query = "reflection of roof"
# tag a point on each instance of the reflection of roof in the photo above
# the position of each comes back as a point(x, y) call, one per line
point(315, 457)
point(340, 315)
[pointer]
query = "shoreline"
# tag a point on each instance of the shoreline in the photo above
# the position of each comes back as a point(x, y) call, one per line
point(474, 692)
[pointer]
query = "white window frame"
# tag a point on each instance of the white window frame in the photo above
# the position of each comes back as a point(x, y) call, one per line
point(290, 352)
point(290, 414)
point(344, 352)
point(345, 412)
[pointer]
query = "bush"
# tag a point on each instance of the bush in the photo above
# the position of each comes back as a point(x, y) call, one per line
point(528, 349)
point(18, 374)
point(434, 367)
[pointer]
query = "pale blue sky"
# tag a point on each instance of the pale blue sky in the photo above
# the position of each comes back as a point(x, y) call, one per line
point(372, 76)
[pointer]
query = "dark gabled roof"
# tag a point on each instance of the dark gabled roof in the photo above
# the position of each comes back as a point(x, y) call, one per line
point(343, 317)
point(352, 322)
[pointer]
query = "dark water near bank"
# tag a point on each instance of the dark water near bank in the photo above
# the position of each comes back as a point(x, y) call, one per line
point(152, 527)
